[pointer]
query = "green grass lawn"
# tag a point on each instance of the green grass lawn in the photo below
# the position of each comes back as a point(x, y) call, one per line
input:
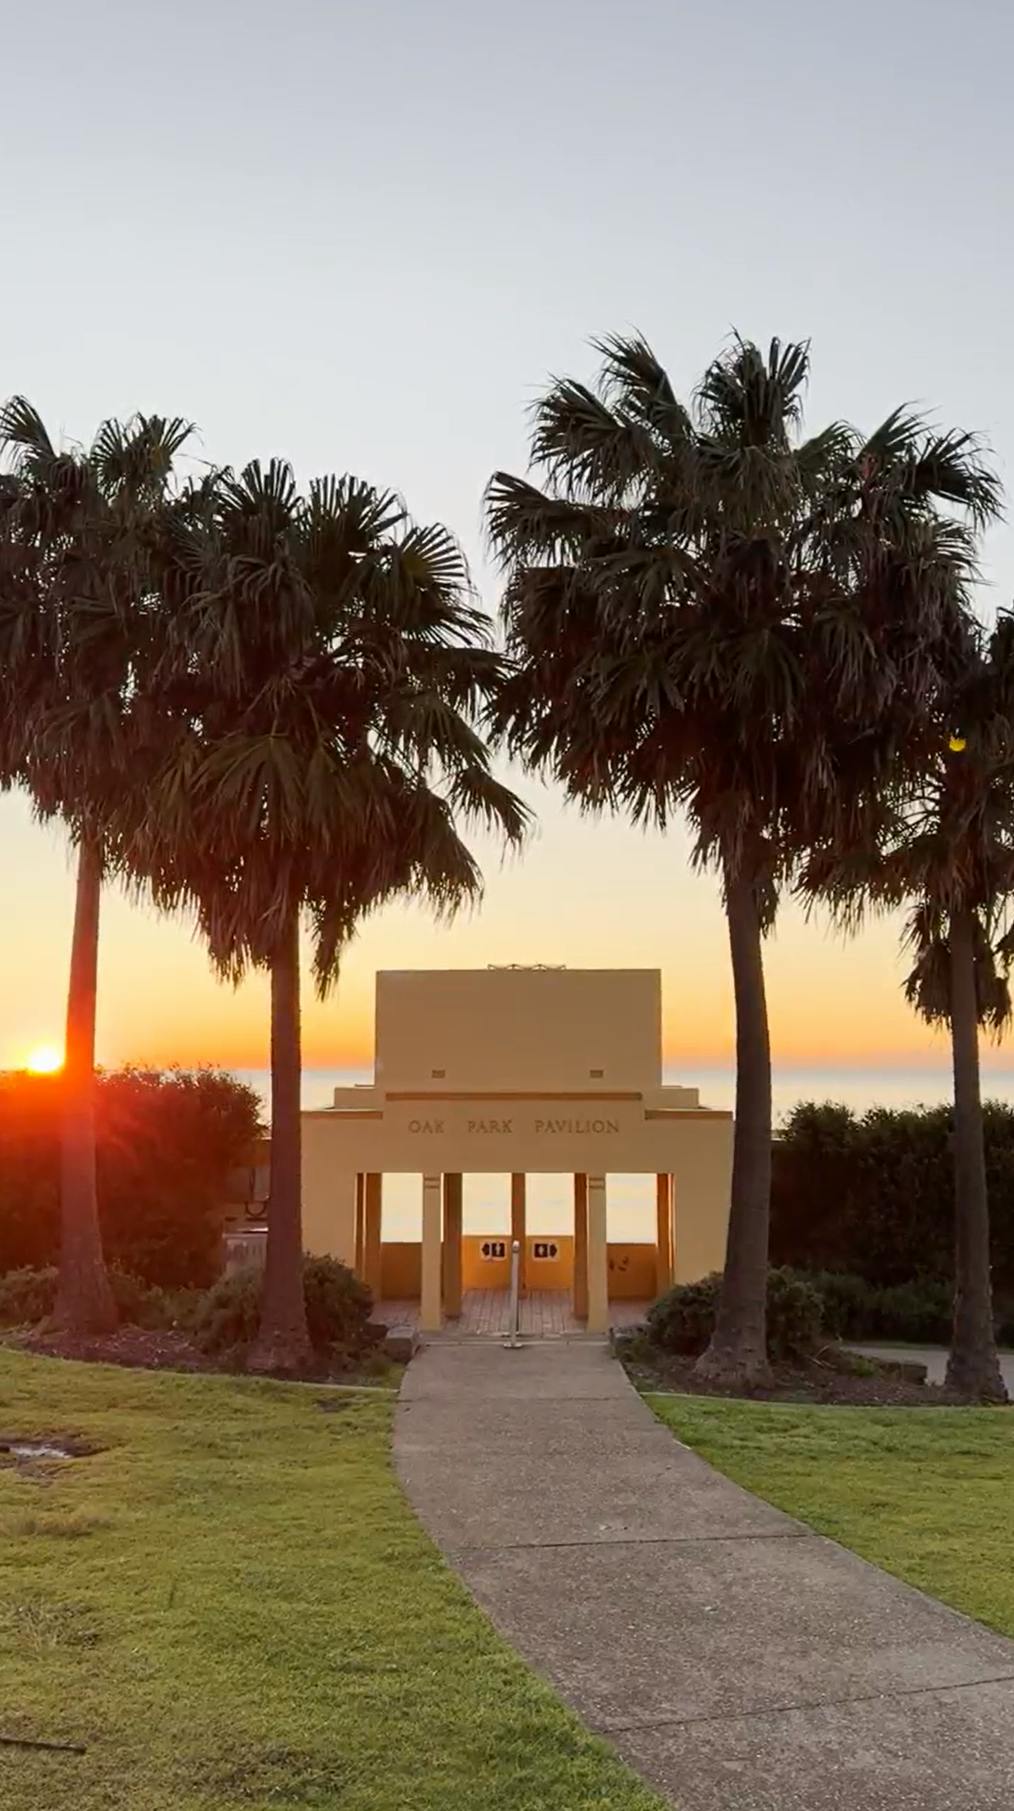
point(925, 1493)
point(231, 1605)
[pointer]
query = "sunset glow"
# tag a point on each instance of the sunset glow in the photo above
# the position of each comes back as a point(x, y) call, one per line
point(45, 1059)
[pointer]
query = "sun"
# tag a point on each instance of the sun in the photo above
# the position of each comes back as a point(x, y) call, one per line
point(45, 1059)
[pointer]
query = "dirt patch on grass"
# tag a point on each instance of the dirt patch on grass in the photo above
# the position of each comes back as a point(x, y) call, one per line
point(164, 1350)
point(152, 1351)
point(831, 1376)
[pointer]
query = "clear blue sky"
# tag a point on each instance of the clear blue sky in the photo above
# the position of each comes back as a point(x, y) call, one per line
point(360, 235)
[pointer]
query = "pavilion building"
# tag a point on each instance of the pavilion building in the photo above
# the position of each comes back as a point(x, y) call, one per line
point(517, 1071)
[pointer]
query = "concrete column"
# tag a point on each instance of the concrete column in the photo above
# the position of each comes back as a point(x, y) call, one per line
point(430, 1308)
point(452, 1246)
point(373, 1193)
point(598, 1260)
point(360, 1225)
point(518, 1203)
point(581, 1247)
point(663, 1245)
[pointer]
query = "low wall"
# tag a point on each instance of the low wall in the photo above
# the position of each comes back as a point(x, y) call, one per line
point(549, 1264)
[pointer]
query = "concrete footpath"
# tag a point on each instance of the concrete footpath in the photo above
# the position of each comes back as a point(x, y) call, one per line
point(736, 1660)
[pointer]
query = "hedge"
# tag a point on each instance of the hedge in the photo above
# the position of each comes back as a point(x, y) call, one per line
point(872, 1194)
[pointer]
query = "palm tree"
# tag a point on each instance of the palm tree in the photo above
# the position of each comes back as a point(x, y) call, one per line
point(332, 665)
point(707, 612)
point(944, 849)
point(76, 601)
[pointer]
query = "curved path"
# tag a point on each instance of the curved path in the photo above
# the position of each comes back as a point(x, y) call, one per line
point(737, 1660)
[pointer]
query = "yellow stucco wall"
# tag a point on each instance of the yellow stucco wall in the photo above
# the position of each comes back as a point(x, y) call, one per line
point(632, 1272)
point(329, 1196)
point(703, 1177)
point(519, 1028)
point(401, 1270)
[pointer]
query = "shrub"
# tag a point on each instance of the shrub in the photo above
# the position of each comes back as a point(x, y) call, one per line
point(338, 1305)
point(28, 1295)
point(795, 1315)
point(338, 1309)
point(918, 1311)
point(683, 1319)
point(226, 1317)
point(913, 1311)
point(848, 1303)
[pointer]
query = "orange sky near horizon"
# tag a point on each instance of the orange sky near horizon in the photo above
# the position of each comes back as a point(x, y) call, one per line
point(595, 894)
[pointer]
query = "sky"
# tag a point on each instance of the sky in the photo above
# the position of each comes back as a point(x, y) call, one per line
point(362, 235)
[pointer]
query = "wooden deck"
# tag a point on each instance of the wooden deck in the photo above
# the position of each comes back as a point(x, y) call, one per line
point(545, 1314)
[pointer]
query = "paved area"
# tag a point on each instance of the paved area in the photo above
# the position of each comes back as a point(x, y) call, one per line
point(736, 1660)
point(485, 1314)
point(934, 1358)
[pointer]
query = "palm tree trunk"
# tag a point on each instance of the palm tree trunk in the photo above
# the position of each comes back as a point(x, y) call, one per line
point(84, 1299)
point(737, 1354)
point(283, 1342)
point(973, 1367)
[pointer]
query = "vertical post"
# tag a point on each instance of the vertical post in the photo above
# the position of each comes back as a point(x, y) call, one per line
point(430, 1306)
point(518, 1221)
point(452, 1246)
point(581, 1247)
point(360, 1247)
point(663, 1244)
point(514, 1310)
point(598, 1262)
point(373, 1195)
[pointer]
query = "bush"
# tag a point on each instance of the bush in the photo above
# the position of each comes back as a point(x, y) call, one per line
point(338, 1308)
point(917, 1312)
point(795, 1315)
point(848, 1303)
point(225, 1319)
point(28, 1295)
point(683, 1319)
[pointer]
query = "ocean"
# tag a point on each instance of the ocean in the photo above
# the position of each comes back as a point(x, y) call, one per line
point(631, 1199)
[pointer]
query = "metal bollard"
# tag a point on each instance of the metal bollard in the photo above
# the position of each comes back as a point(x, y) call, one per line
point(513, 1339)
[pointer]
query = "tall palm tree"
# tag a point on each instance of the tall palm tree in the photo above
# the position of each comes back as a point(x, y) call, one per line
point(707, 612)
point(332, 663)
point(76, 603)
point(944, 849)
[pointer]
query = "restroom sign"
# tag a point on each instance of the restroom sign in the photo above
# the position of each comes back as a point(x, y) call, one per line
point(545, 1248)
point(493, 1248)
